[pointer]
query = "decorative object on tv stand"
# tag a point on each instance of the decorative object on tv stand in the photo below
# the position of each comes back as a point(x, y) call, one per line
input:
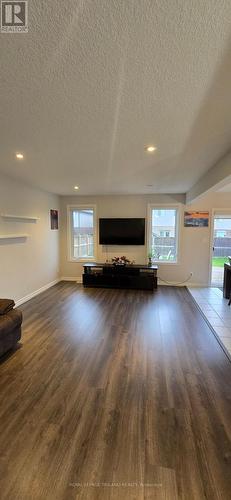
point(122, 261)
point(150, 257)
point(54, 217)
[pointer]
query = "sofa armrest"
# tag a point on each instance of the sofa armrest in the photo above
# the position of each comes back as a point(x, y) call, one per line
point(6, 305)
point(10, 321)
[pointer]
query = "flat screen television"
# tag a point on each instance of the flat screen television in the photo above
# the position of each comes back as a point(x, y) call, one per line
point(122, 231)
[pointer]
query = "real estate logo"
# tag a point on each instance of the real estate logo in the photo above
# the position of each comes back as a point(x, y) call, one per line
point(14, 17)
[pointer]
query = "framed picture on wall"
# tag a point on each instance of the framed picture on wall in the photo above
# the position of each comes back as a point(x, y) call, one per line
point(54, 218)
point(196, 219)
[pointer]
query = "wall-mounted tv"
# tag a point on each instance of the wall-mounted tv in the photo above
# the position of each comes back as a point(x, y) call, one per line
point(122, 231)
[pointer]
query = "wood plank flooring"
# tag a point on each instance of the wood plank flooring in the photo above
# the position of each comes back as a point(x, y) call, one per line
point(115, 395)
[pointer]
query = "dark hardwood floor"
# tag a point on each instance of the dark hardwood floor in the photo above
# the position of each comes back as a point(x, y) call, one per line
point(115, 395)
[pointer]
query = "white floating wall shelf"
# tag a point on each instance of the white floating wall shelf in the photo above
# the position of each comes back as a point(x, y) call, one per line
point(12, 236)
point(19, 217)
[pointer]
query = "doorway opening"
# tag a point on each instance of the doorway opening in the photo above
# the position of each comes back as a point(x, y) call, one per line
point(221, 247)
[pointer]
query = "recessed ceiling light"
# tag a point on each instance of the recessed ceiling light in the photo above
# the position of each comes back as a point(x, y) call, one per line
point(150, 149)
point(19, 156)
point(76, 188)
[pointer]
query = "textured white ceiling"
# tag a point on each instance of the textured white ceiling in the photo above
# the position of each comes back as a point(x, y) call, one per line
point(95, 80)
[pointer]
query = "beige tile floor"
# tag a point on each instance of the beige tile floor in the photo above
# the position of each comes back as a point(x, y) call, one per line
point(216, 310)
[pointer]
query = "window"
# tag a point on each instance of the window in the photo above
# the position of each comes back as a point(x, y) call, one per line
point(163, 236)
point(164, 233)
point(82, 233)
point(221, 234)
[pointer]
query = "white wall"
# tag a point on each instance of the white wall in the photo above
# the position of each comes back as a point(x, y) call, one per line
point(194, 255)
point(29, 264)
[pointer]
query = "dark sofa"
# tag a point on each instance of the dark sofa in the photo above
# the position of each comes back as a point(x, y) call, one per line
point(10, 325)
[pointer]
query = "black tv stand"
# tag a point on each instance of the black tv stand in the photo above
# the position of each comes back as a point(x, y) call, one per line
point(120, 276)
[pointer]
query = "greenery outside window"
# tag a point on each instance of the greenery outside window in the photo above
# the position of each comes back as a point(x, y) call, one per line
point(163, 234)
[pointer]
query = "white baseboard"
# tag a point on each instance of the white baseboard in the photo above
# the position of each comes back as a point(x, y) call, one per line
point(36, 292)
point(78, 279)
point(198, 285)
point(171, 284)
point(187, 283)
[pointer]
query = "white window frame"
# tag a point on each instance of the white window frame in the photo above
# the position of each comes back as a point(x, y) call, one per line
point(165, 206)
point(70, 209)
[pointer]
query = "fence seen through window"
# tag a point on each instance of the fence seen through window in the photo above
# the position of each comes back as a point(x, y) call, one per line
point(164, 234)
point(82, 233)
